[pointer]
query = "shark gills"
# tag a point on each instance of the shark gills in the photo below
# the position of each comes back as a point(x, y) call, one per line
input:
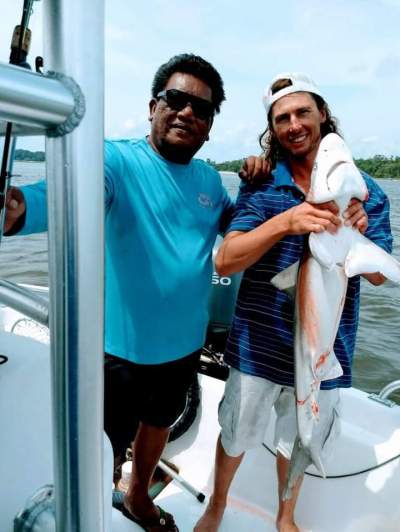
point(319, 283)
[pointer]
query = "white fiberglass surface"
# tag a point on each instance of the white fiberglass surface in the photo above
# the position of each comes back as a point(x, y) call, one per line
point(197, 467)
point(370, 435)
point(252, 503)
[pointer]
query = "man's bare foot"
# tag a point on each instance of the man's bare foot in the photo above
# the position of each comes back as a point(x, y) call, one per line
point(287, 526)
point(211, 519)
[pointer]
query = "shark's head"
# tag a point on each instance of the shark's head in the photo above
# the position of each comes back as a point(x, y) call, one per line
point(334, 173)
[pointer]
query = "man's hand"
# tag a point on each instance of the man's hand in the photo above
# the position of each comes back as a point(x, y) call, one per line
point(306, 218)
point(356, 216)
point(255, 169)
point(15, 207)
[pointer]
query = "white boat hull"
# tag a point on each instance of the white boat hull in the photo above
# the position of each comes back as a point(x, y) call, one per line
point(361, 502)
point(364, 502)
point(26, 457)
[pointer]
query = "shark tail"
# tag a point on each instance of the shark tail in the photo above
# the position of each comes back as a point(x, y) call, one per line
point(299, 462)
point(301, 458)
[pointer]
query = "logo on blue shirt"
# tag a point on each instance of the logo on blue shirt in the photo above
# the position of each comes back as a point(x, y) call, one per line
point(205, 201)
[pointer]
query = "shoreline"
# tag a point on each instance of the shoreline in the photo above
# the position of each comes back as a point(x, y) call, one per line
point(19, 161)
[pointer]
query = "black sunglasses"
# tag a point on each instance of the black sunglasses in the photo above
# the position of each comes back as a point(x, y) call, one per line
point(178, 100)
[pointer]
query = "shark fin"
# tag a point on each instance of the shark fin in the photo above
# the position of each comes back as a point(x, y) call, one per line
point(366, 257)
point(330, 369)
point(286, 280)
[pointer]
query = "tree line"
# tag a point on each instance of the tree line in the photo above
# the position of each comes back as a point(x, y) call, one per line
point(378, 166)
point(26, 155)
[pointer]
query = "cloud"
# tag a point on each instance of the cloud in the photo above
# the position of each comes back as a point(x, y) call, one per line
point(389, 67)
point(116, 34)
point(137, 122)
point(391, 3)
point(234, 140)
point(369, 140)
point(117, 59)
point(350, 48)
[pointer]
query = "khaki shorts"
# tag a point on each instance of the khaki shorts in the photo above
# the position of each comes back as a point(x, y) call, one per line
point(245, 411)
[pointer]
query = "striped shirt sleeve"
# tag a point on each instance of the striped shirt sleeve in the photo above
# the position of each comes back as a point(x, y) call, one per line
point(249, 211)
point(378, 209)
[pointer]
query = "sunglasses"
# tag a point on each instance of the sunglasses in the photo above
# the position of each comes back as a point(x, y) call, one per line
point(178, 100)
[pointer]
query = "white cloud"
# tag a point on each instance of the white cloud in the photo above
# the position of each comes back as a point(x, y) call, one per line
point(136, 122)
point(350, 48)
point(369, 140)
point(116, 34)
point(389, 67)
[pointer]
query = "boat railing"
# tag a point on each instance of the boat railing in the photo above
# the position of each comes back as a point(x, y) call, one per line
point(382, 396)
point(25, 301)
point(53, 105)
point(38, 103)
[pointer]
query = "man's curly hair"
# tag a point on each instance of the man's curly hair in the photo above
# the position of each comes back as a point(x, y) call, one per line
point(272, 150)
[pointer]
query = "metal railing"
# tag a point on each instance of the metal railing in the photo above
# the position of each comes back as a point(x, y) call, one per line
point(25, 301)
point(389, 389)
point(33, 100)
point(73, 46)
point(383, 395)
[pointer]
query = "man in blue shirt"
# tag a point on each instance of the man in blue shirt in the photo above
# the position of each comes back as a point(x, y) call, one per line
point(163, 212)
point(266, 235)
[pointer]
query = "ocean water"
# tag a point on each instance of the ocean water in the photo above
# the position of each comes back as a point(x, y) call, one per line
point(377, 358)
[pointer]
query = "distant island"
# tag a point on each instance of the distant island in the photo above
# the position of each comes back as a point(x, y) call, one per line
point(31, 156)
point(378, 166)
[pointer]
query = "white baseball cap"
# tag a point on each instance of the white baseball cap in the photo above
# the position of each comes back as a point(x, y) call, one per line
point(300, 83)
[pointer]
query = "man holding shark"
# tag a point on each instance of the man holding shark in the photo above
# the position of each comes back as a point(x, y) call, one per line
point(267, 235)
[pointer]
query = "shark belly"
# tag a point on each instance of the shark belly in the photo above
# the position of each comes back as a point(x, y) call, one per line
point(320, 297)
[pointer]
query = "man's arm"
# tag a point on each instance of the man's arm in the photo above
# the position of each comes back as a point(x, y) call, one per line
point(26, 209)
point(240, 250)
point(15, 211)
point(378, 228)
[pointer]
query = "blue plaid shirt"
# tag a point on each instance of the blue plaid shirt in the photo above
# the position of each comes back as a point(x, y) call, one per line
point(262, 335)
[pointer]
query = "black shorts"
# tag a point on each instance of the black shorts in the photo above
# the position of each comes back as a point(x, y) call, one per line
point(151, 394)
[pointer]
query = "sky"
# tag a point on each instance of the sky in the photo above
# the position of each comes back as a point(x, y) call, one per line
point(351, 48)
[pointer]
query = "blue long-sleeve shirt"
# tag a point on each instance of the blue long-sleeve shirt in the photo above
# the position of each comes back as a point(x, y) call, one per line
point(161, 222)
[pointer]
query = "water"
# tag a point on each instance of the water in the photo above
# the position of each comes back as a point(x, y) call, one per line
point(23, 259)
point(377, 360)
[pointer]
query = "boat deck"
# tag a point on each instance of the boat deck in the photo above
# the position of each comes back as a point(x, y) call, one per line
point(187, 511)
point(364, 469)
point(252, 504)
point(193, 453)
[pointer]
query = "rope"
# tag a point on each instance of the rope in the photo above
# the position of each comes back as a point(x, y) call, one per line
point(344, 475)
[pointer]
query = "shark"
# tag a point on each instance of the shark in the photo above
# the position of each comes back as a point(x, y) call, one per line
point(319, 284)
